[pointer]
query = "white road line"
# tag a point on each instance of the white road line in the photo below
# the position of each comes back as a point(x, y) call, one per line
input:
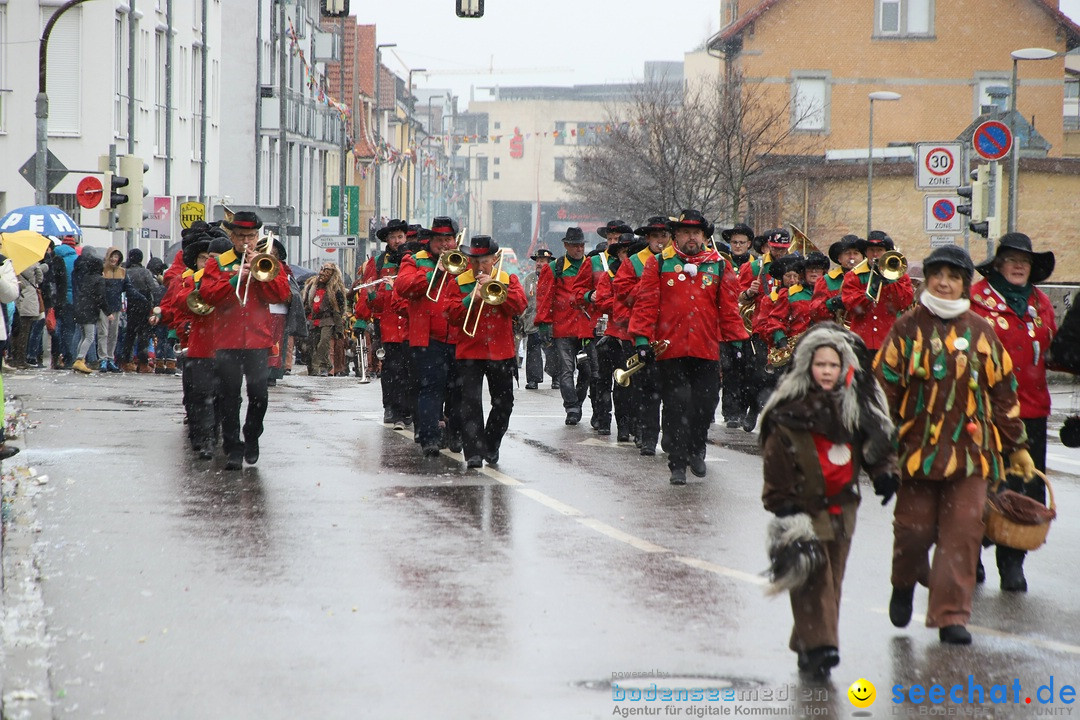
point(721, 570)
point(615, 534)
point(991, 632)
point(1062, 458)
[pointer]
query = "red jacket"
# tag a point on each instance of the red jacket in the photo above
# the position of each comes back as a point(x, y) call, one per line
point(869, 320)
point(1020, 336)
point(789, 314)
point(236, 326)
point(826, 288)
point(698, 312)
point(595, 290)
point(555, 301)
point(384, 305)
point(427, 320)
point(494, 337)
point(176, 269)
point(196, 332)
point(753, 270)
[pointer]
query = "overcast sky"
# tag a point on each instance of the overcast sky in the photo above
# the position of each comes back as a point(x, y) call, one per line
point(550, 42)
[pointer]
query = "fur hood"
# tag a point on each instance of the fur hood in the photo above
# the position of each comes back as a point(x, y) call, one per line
point(861, 406)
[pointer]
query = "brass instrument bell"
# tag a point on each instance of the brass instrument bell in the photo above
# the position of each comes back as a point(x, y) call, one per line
point(197, 305)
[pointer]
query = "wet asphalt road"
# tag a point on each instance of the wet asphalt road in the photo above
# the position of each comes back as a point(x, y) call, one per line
point(346, 577)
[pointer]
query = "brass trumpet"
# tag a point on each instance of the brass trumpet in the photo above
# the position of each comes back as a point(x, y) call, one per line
point(263, 267)
point(493, 292)
point(888, 268)
point(197, 305)
point(634, 364)
point(454, 262)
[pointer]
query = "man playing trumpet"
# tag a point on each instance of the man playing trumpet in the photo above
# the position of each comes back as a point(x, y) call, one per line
point(872, 301)
point(243, 332)
point(486, 299)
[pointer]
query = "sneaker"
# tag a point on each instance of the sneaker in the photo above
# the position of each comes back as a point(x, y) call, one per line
point(113, 367)
point(531, 386)
point(235, 460)
point(104, 367)
point(399, 424)
point(80, 366)
point(7, 451)
point(900, 606)
point(678, 476)
point(573, 417)
point(697, 465)
point(474, 462)
point(954, 635)
point(648, 450)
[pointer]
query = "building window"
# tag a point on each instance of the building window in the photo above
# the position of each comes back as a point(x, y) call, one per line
point(498, 124)
point(588, 134)
point(560, 133)
point(481, 168)
point(903, 18)
point(810, 103)
point(160, 49)
point(496, 161)
point(3, 68)
point(560, 169)
point(196, 102)
point(495, 175)
point(64, 71)
point(983, 83)
point(1072, 103)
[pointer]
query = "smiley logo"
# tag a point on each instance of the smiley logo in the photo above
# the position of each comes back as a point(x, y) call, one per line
point(862, 693)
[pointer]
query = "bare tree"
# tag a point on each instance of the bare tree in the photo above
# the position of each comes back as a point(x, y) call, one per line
point(704, 147)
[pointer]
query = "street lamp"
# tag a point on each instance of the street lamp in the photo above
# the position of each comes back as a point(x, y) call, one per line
point(882, 95)
point(474, 212)
point(426, 176)
point(378, 130)
point(411, 71)
point(1017, 56)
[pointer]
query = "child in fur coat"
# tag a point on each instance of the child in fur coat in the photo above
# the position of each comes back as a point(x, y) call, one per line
point(826, 420)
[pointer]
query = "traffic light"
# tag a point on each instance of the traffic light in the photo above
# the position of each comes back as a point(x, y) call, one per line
point(335, 8)
point(470, 8)
point(128, 184)
point(978, 200)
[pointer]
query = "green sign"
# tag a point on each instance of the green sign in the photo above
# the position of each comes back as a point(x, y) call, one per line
point(351, 226)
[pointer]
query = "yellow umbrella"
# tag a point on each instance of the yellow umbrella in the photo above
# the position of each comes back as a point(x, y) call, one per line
point(24, 248)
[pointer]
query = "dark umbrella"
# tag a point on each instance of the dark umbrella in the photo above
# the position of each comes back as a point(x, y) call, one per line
point(301, 273)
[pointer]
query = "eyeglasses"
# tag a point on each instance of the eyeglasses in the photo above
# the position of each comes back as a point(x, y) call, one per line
point(1017, 260)
point(245, 236)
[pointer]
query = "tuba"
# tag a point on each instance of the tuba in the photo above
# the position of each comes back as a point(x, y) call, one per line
point(779, 357)
point(806, 245)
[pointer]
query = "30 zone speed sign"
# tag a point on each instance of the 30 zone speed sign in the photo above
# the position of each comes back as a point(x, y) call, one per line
point(937, 166)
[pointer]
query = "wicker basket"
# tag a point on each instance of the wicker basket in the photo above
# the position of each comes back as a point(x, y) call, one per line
point(1009, 533)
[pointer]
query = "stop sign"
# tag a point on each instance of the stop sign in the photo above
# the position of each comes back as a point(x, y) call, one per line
point(88, 192)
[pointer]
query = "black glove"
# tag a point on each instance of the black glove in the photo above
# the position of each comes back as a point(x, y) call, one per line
point(787, 509)
point(835, 304)
point(885, 486)
point(645, 354)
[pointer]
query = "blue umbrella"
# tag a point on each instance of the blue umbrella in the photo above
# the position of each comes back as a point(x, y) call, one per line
point(44, 219)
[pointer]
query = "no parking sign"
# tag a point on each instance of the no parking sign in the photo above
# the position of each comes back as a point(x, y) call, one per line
point(941, 215)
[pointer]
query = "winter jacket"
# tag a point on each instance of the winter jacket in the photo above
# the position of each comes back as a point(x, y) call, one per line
point(30, 280)
point(555, 301)
point(9, 290)
point(114, 283)
point(90, 296)
point(494, 337)
point(141, 288)
point(241, 327)
point(424, 320)
point(66, 255)
point(868, 319)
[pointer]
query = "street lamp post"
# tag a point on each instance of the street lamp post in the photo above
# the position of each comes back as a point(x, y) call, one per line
point(883, 95)
point(41, 109)
point(1014, 161)
point(410, 185)
point(474, 212)
point(426, 171)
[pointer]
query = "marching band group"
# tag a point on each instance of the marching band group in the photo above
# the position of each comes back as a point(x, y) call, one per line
point(839, 362)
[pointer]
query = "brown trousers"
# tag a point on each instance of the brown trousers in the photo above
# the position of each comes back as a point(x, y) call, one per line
point(947, 514)
point(815, 606)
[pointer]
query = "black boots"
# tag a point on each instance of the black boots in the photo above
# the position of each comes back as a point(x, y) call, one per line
point(954, 635)
point(900, 606)
point(1010, 564)
point(818, 662)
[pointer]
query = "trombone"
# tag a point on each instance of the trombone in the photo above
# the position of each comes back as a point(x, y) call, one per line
point(493, 292)
point(264, 267)
point(634, 364)
point(453, 262)
point(888, 268)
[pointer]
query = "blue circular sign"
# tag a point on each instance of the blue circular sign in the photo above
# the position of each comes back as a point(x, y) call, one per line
point(992, 140)
point(944, 210)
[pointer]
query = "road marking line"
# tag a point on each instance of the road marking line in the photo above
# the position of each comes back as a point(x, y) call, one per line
point(615, 534)
point(1062, 458)
point(991, 632)
point(721, 570)
point(550, 502)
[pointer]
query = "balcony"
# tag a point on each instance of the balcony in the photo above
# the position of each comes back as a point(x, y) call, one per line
point(304, 119)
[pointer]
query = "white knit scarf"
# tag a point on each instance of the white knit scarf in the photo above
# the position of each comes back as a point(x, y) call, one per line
point(944, 309)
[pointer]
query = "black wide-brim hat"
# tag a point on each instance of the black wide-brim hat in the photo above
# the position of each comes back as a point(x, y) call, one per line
point(393, 226)
point(243, 220)
point(692, 219)
point(282, 253)
point(443, 226)
point(618, 242)
point(657, 223)
point(1042, 263)
point(574, 236)
point(614, 227)
point(542, 253)
point(848, 242)
point(786, 264)
point(815, 259)
point(199, 245)
point(878, 238)
point(481, 246)
point(740, 229)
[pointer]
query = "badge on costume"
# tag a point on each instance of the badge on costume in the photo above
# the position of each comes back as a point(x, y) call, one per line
point(839, 454)
point(681, 277)
point(961, 344)
point(935, 345)
point(671, 283)
point(678, 268)
point(1002, 323)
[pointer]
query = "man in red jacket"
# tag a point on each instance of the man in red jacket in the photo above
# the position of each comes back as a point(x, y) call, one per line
point(688, 297)
point(873, 319)
point(572, 326)
point(391, 313)
point(243, 335)
point(485, 349)
point(433, 338)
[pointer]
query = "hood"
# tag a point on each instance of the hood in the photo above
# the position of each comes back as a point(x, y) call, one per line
point(92, 264)
point(65, 251)
point(113, 249)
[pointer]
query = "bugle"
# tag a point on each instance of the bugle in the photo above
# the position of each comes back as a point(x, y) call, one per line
point(263, 266)
point(493, 292)
point(635, 364)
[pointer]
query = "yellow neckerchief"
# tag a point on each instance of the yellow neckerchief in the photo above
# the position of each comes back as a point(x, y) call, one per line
point(796, 288)
point(668, 252)
point(188, 273)
point(227, 258)
point(836, 272)
point(861, 268)
point(467, 278)
point(198, 275)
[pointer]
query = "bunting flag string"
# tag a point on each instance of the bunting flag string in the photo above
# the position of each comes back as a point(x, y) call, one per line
point(316, 82)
